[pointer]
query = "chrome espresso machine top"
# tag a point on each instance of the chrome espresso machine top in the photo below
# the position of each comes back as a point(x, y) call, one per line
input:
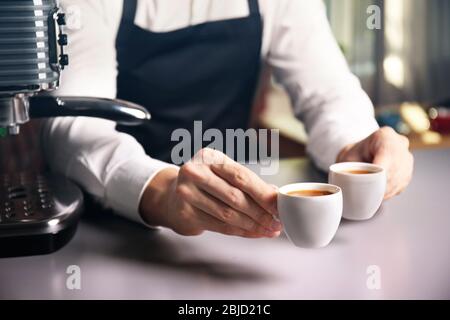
point(39, 211)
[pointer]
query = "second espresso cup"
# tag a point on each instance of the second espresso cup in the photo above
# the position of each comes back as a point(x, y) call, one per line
point(310, 213)
point(363, 186)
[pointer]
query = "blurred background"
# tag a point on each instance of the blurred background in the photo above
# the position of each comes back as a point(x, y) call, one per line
point(404, 67)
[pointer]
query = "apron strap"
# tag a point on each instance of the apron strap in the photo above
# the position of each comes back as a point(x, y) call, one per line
point(253, 5)
point(129, 10)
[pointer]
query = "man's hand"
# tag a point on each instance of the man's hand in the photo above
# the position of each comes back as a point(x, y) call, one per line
point(211, 192)
point(390, 150)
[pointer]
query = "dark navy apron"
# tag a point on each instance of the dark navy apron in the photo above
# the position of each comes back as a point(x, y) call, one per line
point(207, 72)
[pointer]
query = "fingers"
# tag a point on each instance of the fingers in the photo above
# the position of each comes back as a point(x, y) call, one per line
point(227, 214)
point(194, 222)
point(203, 178)
point(388, 149)
point(352, 153)
point(400, 177)
point(232, 183)
point(210, 223)
point(391, 151)
point(249, 182)
point(208, 201)
point(384, 158)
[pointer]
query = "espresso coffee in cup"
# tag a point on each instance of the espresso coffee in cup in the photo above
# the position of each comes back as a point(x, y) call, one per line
point(309, 193)
point(363, 186)
point(310, 213)
point(354, 171)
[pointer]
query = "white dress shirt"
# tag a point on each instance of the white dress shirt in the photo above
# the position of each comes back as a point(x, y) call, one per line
point(297, 43)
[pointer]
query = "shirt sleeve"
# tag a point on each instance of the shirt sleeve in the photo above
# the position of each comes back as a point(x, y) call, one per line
point(325, 95)
point(111, 166)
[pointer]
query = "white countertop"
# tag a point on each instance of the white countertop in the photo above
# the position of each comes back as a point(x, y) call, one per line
point(408, 240)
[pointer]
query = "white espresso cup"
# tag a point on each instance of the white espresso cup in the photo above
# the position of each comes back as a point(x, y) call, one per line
point(363, 192)
point(310, 221)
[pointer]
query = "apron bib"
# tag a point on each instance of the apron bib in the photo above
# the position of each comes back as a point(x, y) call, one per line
point(207, 72)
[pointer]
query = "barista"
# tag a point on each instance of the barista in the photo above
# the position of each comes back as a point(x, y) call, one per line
point(200, 60)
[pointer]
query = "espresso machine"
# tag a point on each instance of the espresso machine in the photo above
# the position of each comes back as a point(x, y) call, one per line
point(39, 212)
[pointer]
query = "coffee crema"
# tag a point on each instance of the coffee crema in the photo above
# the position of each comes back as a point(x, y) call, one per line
point(358, 171)
point(309, 193)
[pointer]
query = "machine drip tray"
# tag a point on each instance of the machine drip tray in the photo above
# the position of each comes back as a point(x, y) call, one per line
point(39, 213)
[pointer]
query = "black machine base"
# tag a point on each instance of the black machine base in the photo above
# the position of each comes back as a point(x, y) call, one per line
point(38, 213)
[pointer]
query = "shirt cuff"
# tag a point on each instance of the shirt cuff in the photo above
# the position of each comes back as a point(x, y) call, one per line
point(125, 188)
point(325, 154)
